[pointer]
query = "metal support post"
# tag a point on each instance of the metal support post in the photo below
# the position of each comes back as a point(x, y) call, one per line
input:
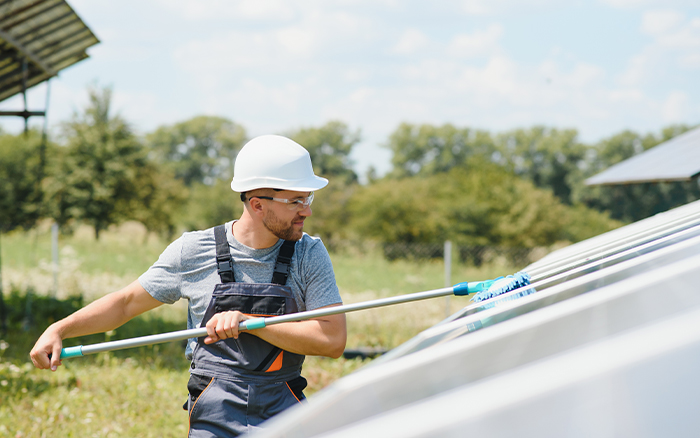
point(448, 274)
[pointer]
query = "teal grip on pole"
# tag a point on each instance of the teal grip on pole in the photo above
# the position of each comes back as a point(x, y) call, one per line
point(255, 323)
point(72, 352)
point(471, 287)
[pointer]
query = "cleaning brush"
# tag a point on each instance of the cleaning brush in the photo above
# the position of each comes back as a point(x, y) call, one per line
point(505, 284)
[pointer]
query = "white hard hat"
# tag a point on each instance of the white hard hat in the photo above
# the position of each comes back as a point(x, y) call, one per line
point(274, 162)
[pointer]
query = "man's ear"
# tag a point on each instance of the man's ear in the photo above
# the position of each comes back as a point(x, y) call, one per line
point(256, 206)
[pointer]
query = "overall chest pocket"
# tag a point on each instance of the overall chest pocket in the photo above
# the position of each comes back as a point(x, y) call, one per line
point(251, 304)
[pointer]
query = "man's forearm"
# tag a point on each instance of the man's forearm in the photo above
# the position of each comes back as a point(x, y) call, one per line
point(100, 316)
point(315, 337)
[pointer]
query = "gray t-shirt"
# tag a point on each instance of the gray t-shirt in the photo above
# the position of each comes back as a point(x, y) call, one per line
point(187, 269)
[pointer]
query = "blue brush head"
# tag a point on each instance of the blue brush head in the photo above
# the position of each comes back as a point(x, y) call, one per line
point(505, 284)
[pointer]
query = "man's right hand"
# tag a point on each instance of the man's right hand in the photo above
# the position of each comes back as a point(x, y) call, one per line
point(102, 315)
point(47, 350)
point(224, 325)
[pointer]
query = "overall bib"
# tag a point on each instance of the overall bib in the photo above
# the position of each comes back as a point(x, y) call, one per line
point(236, 384)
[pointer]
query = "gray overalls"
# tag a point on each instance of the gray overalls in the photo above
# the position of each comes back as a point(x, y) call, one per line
point(236, 384)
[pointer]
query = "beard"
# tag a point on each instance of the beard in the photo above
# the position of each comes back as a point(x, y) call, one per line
point(284, 231)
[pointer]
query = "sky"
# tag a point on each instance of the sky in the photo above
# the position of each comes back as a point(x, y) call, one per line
point(272, 66)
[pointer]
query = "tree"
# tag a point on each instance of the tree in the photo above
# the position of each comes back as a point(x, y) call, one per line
point(548, 157)
point(210, 205)
point(20, 191)
point(158, 200)
point(99, 175)
point(201, 149)
point(475, 204)
point(330, 146)
point(331, 214)
point(427, 150)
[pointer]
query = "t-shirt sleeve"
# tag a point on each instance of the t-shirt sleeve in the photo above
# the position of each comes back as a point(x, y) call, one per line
point(321, 289)
point(163, 279)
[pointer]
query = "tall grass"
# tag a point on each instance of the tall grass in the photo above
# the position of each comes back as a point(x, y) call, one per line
point(104, 397)
point(140, 392)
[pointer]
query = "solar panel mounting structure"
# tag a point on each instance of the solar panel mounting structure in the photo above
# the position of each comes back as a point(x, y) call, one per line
point(38, 39)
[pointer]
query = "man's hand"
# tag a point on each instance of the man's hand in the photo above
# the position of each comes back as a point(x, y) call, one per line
point(48, 345)
point(224, 325)
point(102, 315)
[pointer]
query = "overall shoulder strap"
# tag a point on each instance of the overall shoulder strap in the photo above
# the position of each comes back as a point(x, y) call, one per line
point(224, 262)
point(284, 259)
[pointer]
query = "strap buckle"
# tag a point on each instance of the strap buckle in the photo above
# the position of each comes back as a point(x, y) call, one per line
point(282, 268)
point(224, 267)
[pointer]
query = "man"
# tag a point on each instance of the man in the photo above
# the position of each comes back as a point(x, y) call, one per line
point(261, 264)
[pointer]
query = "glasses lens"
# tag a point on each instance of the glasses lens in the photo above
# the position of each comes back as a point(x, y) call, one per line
point(300, 204)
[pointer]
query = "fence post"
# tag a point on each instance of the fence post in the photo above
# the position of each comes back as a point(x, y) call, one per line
point(448, 274)
point(54, 252)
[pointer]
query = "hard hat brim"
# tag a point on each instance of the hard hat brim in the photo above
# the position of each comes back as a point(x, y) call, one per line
point(305, 185)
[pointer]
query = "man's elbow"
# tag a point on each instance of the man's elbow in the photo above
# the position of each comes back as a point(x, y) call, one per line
point(337, 348)
point(336, 335)
point(335, 345)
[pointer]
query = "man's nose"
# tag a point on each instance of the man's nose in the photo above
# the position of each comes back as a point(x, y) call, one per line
point(306, 211)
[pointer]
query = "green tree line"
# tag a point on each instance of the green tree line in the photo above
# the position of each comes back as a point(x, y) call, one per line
point(521, 188)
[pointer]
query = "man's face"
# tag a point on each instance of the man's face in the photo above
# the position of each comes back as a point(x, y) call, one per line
point(284, 223)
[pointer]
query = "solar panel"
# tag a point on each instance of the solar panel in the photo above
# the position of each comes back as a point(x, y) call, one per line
point(650, 280)
point(638, 383)
point(47, 34)
point(675, 160)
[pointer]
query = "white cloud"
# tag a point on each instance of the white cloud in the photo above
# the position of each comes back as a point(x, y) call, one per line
point(478, 7)
point(144, 110)
point(659, 22)
point(214, 60)
point(676, 107)
point(690, 61)
point(310, 40)
point(682, 37)
point(626, 3)
point(481, 42)
point(410, 42)
point(640, 68)
point(623, 96)
point(297, 41)
point(224, 9)
point(671, 30)
point(675, 45)
point(493, 7)
point(636, 4)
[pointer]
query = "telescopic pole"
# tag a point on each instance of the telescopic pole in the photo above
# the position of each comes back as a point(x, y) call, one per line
point(257, 323)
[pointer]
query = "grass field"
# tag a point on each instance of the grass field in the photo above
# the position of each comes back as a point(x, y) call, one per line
point(140, 392)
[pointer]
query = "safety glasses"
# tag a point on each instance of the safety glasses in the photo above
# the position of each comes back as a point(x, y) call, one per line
point(297, 204)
